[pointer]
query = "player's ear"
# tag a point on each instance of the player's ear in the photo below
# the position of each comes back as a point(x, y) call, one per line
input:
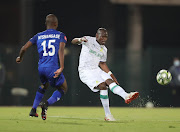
point(96, 35)
point(56, 24)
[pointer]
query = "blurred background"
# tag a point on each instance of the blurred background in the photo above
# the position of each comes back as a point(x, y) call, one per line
point(143, 39)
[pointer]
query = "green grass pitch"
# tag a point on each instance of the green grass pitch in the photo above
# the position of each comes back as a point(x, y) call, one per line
point(90, 119)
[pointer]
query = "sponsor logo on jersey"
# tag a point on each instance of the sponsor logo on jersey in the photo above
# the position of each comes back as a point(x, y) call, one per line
point(95, 53)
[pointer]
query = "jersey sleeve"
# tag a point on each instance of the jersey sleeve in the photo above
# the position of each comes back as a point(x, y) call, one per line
point(63, 38)
point(34, 39)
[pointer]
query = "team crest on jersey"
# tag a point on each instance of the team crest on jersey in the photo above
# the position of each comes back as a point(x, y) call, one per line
point(97, 82)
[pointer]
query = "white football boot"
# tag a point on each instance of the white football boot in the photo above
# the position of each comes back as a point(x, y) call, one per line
point(109, 118)
point(131, 96)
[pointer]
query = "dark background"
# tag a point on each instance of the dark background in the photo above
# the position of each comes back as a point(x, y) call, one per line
point(21, 20)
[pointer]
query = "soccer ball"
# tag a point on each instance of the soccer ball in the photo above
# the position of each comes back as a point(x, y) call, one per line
point(163, 77)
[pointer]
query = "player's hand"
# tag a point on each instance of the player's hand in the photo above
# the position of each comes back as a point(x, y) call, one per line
point(58, 72)
point(83, 39)
point(115, 80)
point(18, 60)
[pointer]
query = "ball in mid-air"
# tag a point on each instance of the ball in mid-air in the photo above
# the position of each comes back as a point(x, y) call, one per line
point(163, 77)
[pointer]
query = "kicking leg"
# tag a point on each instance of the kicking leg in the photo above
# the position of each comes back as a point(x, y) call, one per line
point(116, 89)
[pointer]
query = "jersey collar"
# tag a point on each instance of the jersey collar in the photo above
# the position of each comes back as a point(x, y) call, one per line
point(51, 30)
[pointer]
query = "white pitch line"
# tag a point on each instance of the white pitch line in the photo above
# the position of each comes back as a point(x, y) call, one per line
point(165, 120)
point(76, 117)
point(117, 119)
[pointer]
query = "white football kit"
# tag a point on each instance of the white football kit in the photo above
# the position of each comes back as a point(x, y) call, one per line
point(89, 71)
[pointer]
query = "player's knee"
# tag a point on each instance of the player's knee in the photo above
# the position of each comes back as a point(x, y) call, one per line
point(63, 88)
point(61, 91)
point(102, 86)
point(109, 81)
point(41, 90)
point(44, 86)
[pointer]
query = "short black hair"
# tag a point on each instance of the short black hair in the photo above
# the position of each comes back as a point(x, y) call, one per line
point(101, 29)
point(51, 18)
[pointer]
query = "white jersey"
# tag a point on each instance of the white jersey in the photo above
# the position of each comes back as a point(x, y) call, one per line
point(91, 54)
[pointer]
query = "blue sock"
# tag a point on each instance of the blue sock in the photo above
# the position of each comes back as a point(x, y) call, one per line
point(55, 97)
point(39, 95)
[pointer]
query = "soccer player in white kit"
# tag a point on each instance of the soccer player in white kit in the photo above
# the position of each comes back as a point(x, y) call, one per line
point(94, 72)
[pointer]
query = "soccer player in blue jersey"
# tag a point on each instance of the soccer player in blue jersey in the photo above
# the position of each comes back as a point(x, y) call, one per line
point(50, 45)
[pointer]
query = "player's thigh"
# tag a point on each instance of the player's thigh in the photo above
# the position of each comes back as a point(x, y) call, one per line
point(105, 75)
point(42, 76)
point(101, 86)
point(92, 78)
point(54, 82)
point(59, 82)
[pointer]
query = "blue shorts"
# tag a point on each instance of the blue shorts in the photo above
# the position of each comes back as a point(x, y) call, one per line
point(46, 75)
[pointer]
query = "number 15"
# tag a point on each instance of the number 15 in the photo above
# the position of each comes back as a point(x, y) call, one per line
point(50, 46)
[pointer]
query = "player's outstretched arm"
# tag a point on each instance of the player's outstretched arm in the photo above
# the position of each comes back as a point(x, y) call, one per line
point(105, 68)
point(79, 40)
point(22, 51)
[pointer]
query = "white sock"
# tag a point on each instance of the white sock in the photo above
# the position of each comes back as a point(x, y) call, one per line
point(116, 89)
point(105, 101)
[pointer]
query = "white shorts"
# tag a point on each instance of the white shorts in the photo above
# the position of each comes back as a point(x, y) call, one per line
point(92, 78)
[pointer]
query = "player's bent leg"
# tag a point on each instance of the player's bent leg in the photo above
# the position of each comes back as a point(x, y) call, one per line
point(54, 98)
point(64, 86)
point(61, 90)
point(39, 95)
